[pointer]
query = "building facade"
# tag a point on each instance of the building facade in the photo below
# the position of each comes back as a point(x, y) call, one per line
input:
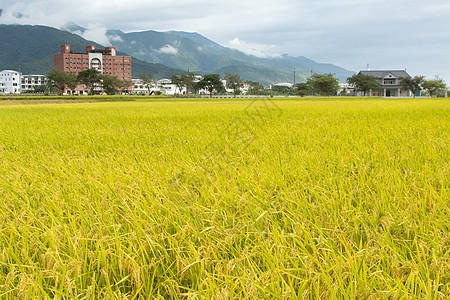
point(105, 61)
point(29, 82)
point(10, 82)
point(389, 81)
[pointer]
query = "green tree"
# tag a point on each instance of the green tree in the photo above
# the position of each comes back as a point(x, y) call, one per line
point(71, 82)
point(125, 86)
point(147, 79)
point(325, 85)
point(302, 89)
point(434, 86)
point(111, 84)
point(189, 81)
point(90, 78)
point(281, 89)
point(57, 80)
point(364, 83)
point(41, 89)
point(178, 80)
point(255, 88)
point(234, 82)
point(211, 83)
point(184, 80)
point(413, 84)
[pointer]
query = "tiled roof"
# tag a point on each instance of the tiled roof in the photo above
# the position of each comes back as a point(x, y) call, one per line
point(385, 73)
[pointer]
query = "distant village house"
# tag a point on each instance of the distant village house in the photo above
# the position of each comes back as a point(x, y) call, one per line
point(389, 81)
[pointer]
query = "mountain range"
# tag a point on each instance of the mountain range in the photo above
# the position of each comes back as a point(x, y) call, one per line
point(31, 49)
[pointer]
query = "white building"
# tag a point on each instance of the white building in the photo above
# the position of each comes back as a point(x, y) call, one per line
point(286, 84)
point(28, 82)
point(166, 87)
point(163, 86)
point(9, 82)
point(139, 87)
point(346, 89)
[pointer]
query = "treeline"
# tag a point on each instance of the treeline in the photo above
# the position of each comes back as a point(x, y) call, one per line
point(91, 79)
point(366, 83)
point(316, 84)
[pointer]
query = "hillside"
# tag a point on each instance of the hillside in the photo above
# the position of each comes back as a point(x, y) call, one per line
point(31, 49)
point(194, 52)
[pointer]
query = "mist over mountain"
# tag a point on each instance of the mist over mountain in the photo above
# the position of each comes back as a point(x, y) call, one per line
point(196, 53)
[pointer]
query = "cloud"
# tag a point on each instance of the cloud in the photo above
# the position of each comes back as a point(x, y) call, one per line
point(168, 49)
point(97, 33)
point(115, 38)
point(258, 50)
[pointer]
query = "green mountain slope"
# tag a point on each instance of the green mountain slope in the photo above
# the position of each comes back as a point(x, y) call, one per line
point(265, 76)
point(185, 50)
point(30, 49)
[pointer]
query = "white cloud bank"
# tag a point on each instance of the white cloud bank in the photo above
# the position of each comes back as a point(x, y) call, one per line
point(168, 49)
point(97, 33)
point(258, 50)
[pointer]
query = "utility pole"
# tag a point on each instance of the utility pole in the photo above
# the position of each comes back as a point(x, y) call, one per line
point(294, 77)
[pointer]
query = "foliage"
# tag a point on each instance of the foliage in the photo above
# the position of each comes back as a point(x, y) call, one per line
point(147, 79)
point(90, 78)
point(302, 89)
point(412, 84)
point(211, 82)
point(71, 81)
point(434, 86)
point(364, 83)
point(126, 86)
point(184, 80)
point(189, 81)
point(58, 80)
point(248, 199)
point(41, 89)
point(255, 88)
point(111, 84)
point(178, 80)
point(281, 90)
point(325, 85)
point(234, 82)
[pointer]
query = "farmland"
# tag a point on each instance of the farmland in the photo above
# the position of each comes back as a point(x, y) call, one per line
point(286, 198)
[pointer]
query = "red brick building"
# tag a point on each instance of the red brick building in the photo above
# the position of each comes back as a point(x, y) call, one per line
point(105, 61)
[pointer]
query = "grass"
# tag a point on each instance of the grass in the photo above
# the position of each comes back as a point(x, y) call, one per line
point(224, 199)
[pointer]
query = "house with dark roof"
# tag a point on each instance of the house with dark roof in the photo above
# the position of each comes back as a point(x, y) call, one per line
point(390, 82)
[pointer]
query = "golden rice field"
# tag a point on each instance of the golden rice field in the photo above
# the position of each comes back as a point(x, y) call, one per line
point(338, 198)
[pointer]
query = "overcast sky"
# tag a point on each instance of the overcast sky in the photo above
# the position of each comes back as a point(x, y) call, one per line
point(401, 34)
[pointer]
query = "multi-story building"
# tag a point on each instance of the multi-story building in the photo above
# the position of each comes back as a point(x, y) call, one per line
point(29, 82)
point(9, 82)
point(105, 61)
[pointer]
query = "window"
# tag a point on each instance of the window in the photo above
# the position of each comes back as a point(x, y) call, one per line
point(389, 81)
